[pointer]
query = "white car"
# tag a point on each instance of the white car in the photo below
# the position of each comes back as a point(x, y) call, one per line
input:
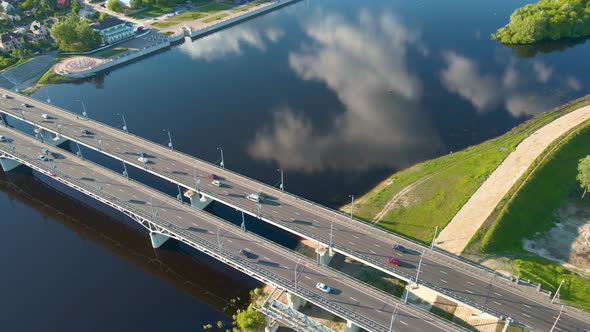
point(216, 183)
point(142, 160)
point(323, 287)
point(46, 116)
point(2, 138)
point(254, 198)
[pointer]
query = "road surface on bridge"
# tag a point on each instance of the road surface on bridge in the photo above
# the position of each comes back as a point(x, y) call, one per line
point(350, 295)
point(363, 242)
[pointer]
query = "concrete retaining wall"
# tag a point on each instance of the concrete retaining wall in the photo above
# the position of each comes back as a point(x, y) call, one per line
point(223, 24)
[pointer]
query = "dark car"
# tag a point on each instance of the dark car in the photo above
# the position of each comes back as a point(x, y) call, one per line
point(399, 248)
point(247, 254)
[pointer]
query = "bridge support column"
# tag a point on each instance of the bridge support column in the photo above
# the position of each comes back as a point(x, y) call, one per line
point(324, 255)
point(9, 164)
point(351, 327)
point(294, 301)
point(158, 239)
point(198, 201)
point(49, 138)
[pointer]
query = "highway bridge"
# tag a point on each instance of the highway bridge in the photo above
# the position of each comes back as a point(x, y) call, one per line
point(165, 217)
point(449, 275)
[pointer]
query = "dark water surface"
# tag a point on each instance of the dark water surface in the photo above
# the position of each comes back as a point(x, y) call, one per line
point(337, 93)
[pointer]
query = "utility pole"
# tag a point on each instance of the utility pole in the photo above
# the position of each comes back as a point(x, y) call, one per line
point(179, 192)
point(419, 265)
point(169, 139)
point(557, 292)
point(434, 238)
point(222, 164)
point(393, 314)
point(556, 320)
point(331, 233)
point(351, 205)
point(282, 180)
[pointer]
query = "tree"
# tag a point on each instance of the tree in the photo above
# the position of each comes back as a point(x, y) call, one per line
point(249, 320)
point(114, 5)
point(76, 7)
point(583, 176)
point(74, 35)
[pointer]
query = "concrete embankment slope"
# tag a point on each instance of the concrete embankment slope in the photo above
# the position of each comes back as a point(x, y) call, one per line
point(468, 220)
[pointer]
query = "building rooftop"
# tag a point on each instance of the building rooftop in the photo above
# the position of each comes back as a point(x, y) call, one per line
point(8, 37)
point(108, 23)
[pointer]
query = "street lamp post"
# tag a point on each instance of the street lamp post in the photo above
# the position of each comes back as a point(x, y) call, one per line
point(419, 265)
point(557, 292)
point(331, 232)
point(79, 153)
point(393, 314)
point(125, 173)
point(243, 221)
point(282, 180)
point(169, 139)
point(434, 238)
point(124, 122)
point(351, 205)
point(222, 164)
point(557, 319)
point(84, 113)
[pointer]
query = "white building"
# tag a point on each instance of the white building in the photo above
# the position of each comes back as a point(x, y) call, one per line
point(126, 3)
point(113, 30)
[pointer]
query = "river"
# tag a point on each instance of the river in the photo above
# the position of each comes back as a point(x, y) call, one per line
point(336, 93)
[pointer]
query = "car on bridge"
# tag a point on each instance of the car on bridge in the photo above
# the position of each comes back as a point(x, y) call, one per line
point(399, 248)
point(46, 116)
point(254, 198)
point(25, 105)
point(3, 139)
point(42, 157)
point(247, 254)
point(393, 261)
point(216, 183)
point(323, 287)
point(212, 176)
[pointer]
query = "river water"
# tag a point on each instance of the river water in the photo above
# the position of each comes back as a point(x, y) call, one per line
point(337, 93)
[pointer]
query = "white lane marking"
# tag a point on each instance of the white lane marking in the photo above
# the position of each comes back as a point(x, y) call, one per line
point(311, 226)
point(372, 252)
point(497, 294)
point(273, 211)
point(443, 280)
point(266, 258)
point(228, 240)
point(472, 284)
point(315, 220)
point(470, 292)
point(378, 310)
point(441, 271)
point(401, 321)
point(352, 298)
point(163, 209)
point(351, 243)
point(297, 213)
point(525, 315)
point(179, 217)
point(306, 277)
point(557, 328)
point(528, 306)
point(356, 237)
point(498, 303)
point(376, 245)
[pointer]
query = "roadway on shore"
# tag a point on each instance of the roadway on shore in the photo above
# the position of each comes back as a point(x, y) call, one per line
point(457, 234)
point(350, 295)
point(351, 238)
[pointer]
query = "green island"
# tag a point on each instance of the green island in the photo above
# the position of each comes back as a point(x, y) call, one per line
point(412, 202)
point(547, 20)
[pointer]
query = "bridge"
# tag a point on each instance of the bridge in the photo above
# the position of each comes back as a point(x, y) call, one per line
point(165, 217)
point(446, 274)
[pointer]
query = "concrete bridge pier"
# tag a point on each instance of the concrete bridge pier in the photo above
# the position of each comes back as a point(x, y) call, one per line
point(324, 255)
point(198, 201)
point(48, 137)
point(9, 164)
point(351, 327)
point(295, 302)
point(158, 239)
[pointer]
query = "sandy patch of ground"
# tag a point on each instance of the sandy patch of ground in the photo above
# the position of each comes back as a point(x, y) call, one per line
point(471, 216)
point(569, 240)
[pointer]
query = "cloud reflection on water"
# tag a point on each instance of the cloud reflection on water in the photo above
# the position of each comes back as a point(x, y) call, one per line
point(365, 64)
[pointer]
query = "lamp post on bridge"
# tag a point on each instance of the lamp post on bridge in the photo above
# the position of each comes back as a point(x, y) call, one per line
point(557, 292)
point(169, 139)
point(124, 122)
point(393, 314)
point(557, 319)
point(434, 238)
point(222, 164)
point(282, 180)
point(84, 113)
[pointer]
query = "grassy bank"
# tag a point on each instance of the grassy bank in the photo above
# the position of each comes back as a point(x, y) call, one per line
point(433, 191)
point(575, 289)
point(51, 77)
point(113, 51)
point(532, 205)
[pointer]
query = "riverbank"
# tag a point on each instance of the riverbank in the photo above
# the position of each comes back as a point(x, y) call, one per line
point(414, 201)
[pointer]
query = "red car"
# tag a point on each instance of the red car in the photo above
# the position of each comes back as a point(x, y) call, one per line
point(393, 261)
point(212, 176)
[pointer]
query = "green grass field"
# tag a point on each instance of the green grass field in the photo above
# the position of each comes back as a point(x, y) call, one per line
point(215, 18)
point(213, 8)
point(50, 77)
point(532, 208)
point(452, 179)
point(113, 51)
point(575, 289)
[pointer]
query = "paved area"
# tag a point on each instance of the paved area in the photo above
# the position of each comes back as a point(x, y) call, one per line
point(277, 264)
point(351, 238)
point(468, 220)
point(25, 75)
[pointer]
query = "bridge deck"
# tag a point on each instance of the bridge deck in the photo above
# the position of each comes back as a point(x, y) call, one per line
point(274, 264)
point(366, 243)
